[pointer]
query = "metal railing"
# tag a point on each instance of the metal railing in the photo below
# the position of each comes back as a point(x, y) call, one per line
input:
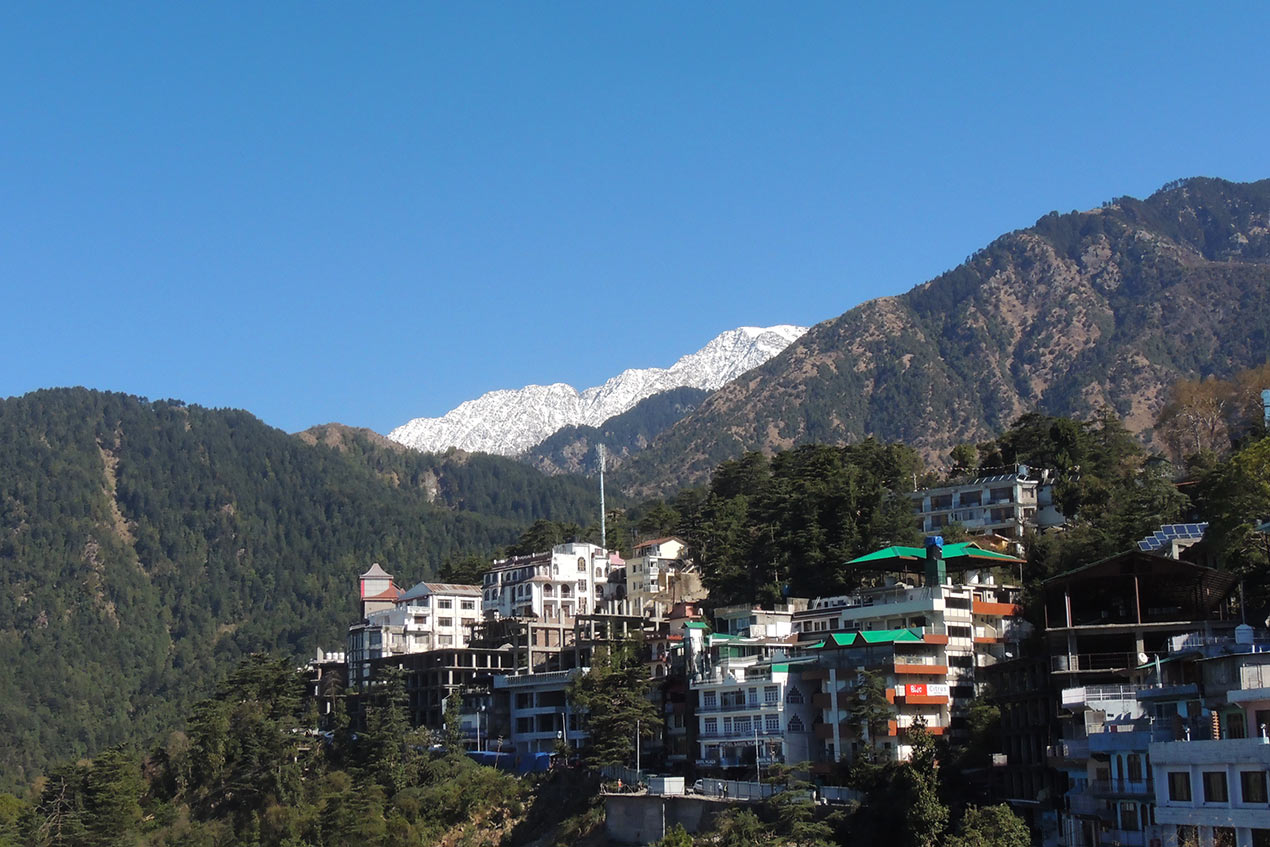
point(1137, 787)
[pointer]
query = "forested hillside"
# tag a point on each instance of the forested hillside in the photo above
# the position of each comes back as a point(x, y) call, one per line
point(145, 547)
point(1082, 311)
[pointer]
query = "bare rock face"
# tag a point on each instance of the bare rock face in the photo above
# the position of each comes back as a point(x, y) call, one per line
point(509, 422)
point(1082, 311)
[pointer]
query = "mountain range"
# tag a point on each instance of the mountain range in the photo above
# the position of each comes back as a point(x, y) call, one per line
point(1082, 311)
point(510, 422)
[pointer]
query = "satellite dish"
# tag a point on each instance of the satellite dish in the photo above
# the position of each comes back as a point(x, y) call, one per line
point(1143, 658)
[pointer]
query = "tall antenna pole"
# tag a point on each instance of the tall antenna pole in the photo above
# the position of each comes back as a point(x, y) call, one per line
point(604, 536)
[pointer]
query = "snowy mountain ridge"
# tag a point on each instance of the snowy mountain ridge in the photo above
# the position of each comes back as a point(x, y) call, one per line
point(509, 422)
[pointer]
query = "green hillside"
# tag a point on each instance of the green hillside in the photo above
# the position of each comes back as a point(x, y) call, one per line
point(145, 547)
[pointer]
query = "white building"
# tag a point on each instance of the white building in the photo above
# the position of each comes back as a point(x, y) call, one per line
point(555, 587)
point(429, 616)
point(1214, 791)
point(1001, 505)
point(749, 709)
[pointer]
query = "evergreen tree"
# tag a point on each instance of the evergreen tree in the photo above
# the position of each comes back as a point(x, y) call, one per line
point(613, 695)
point(990, 826)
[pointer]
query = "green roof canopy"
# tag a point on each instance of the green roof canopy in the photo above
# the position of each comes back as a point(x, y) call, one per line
point(859, 639)
point(964, 554)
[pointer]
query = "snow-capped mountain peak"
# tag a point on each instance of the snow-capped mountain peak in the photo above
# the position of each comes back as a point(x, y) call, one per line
point(508, 422)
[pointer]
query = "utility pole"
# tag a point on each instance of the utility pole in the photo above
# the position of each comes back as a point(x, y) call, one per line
point(758, 765)
point(604, 536)
point(637, 748)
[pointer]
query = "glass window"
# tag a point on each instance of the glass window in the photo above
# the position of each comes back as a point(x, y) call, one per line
point(1252, 786)
point(1215, 787)
point(773, 723)
point(794, 696)
point(1134, 762)
point(711, 699)
point(1180, 786)
point(795, 724)
point(469, 604)
point(771, 694)
point(1129, 816)
point(445, 621)
point(712, 726)
point(445, 604)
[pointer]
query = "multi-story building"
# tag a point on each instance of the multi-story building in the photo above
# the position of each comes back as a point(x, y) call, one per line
point(656, 577)
point(927, 642)
point(1117, 632)
point(555, 586)
point(429, 616)
point(751, 706)
point(539, 715)
point(1211, 788)
point(1004, 505)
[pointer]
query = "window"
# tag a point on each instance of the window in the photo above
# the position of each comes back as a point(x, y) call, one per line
point(712, 726)
point(445, 622)
point(742, 726)
point(793, 695)
point(711, 700)
point(771, 695)
point(1215, 787)
point(467, 622)
point(445, 640)
point(1180, 786)
point(796, 724)
point(1134, 762)
point(772, 724)
point(1252, 786)
point(581, 565)
point(468, 604)
point(445, 604)
point(1129, 816)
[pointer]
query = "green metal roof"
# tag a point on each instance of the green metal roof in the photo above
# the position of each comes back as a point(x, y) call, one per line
point(876, 636)
point(697, 625)
point(886, 636)
point(965, 550)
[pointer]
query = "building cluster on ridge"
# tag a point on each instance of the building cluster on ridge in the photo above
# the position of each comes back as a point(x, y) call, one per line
point(1137, 717)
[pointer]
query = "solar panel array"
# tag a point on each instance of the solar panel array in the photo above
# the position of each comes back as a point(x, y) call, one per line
point(1167, 534)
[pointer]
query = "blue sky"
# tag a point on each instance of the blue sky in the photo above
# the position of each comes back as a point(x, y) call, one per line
point(365, 213)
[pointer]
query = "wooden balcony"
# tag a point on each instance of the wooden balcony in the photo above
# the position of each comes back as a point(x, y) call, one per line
point(1005, 610)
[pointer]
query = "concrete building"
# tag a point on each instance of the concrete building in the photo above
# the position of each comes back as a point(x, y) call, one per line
point(1004, 504)
point(539, 716)
point(429, 616)
point(551, 587)
point(1212, 789)
point(928, 643)
point(1117, 631)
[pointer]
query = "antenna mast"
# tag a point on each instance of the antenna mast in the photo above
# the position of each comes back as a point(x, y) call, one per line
point(604, 536)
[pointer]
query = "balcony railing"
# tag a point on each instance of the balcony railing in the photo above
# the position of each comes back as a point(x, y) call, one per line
point(1087, 694)
point(741, 734)
point(1122, 787)
point(749, 705)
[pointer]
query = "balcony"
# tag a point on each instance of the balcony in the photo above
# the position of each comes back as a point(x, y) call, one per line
point(1139, 788)
point(1086, 805)
point(743, 735)
point(1086, 662)
point(1087, 696)
point(919, 665)
point(749, 705)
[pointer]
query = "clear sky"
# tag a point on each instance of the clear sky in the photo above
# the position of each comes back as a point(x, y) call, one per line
point(369, 212)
